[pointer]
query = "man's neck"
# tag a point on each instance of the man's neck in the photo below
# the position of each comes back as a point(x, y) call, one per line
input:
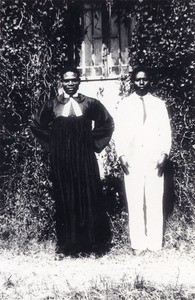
point(140, 94)
point(70, 96)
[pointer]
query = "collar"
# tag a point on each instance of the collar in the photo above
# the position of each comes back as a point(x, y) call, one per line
point(64, 97)
point(145, 97)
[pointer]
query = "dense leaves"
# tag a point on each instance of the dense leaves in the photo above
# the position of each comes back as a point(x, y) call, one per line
point(37, 38)
point(163, 40)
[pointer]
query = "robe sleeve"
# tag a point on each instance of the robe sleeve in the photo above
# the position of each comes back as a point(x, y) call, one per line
point(41, 123)
point(103, 126)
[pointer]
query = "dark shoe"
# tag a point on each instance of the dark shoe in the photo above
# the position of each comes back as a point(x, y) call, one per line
point(137, 252)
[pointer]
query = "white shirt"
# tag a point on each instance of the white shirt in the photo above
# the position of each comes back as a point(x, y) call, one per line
point(142, 141)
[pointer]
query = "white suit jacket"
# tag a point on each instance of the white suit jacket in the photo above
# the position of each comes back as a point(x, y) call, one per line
point(142, 142)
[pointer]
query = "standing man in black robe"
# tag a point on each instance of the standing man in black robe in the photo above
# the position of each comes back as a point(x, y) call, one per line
point(64, 126)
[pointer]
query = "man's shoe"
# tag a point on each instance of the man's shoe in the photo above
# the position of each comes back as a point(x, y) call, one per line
point(137, 252)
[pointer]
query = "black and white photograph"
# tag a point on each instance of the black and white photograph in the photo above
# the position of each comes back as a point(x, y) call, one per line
point(97, 150)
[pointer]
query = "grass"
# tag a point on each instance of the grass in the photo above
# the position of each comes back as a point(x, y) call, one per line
point(34, 273)
point(117, 275)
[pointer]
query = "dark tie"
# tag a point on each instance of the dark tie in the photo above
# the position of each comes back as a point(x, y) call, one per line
point(144, 109)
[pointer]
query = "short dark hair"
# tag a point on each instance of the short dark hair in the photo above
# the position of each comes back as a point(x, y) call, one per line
point(140, 69)
point(70, 68)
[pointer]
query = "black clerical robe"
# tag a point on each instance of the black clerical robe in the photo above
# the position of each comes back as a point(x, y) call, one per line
point(81, 219)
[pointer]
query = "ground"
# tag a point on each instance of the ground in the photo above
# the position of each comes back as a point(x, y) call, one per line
point(36, 274)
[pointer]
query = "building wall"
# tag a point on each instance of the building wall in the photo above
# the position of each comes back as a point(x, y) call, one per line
point(107, 91)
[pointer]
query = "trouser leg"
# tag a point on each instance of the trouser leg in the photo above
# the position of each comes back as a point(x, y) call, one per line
point(134, 184)
point(154, 210)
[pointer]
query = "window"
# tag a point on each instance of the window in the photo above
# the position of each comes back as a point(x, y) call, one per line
point(104, 51)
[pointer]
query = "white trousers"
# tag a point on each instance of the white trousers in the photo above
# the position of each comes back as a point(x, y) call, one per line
point(144, 190)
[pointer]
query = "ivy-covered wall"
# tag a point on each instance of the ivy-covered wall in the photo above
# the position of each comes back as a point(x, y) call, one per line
point(163, 39)
point(36, 38)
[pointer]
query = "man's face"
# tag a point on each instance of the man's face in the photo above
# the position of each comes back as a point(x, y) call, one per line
point(70, 82)
point(141, 83)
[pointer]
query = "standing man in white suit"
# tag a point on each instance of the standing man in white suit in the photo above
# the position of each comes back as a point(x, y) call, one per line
point(143, 142)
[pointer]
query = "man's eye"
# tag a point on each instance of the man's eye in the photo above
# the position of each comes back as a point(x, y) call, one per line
point(145, 80)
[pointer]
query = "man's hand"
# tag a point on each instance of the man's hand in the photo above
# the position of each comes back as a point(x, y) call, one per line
point(161, 164)
point(124, 164)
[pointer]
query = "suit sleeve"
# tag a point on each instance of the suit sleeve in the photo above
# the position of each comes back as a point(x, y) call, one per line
point(165, 130)
point(41, 122)
point(103, 126)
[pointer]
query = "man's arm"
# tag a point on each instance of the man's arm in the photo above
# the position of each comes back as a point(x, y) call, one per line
point(165, 138)
point(40, 124)
point(103, 127)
